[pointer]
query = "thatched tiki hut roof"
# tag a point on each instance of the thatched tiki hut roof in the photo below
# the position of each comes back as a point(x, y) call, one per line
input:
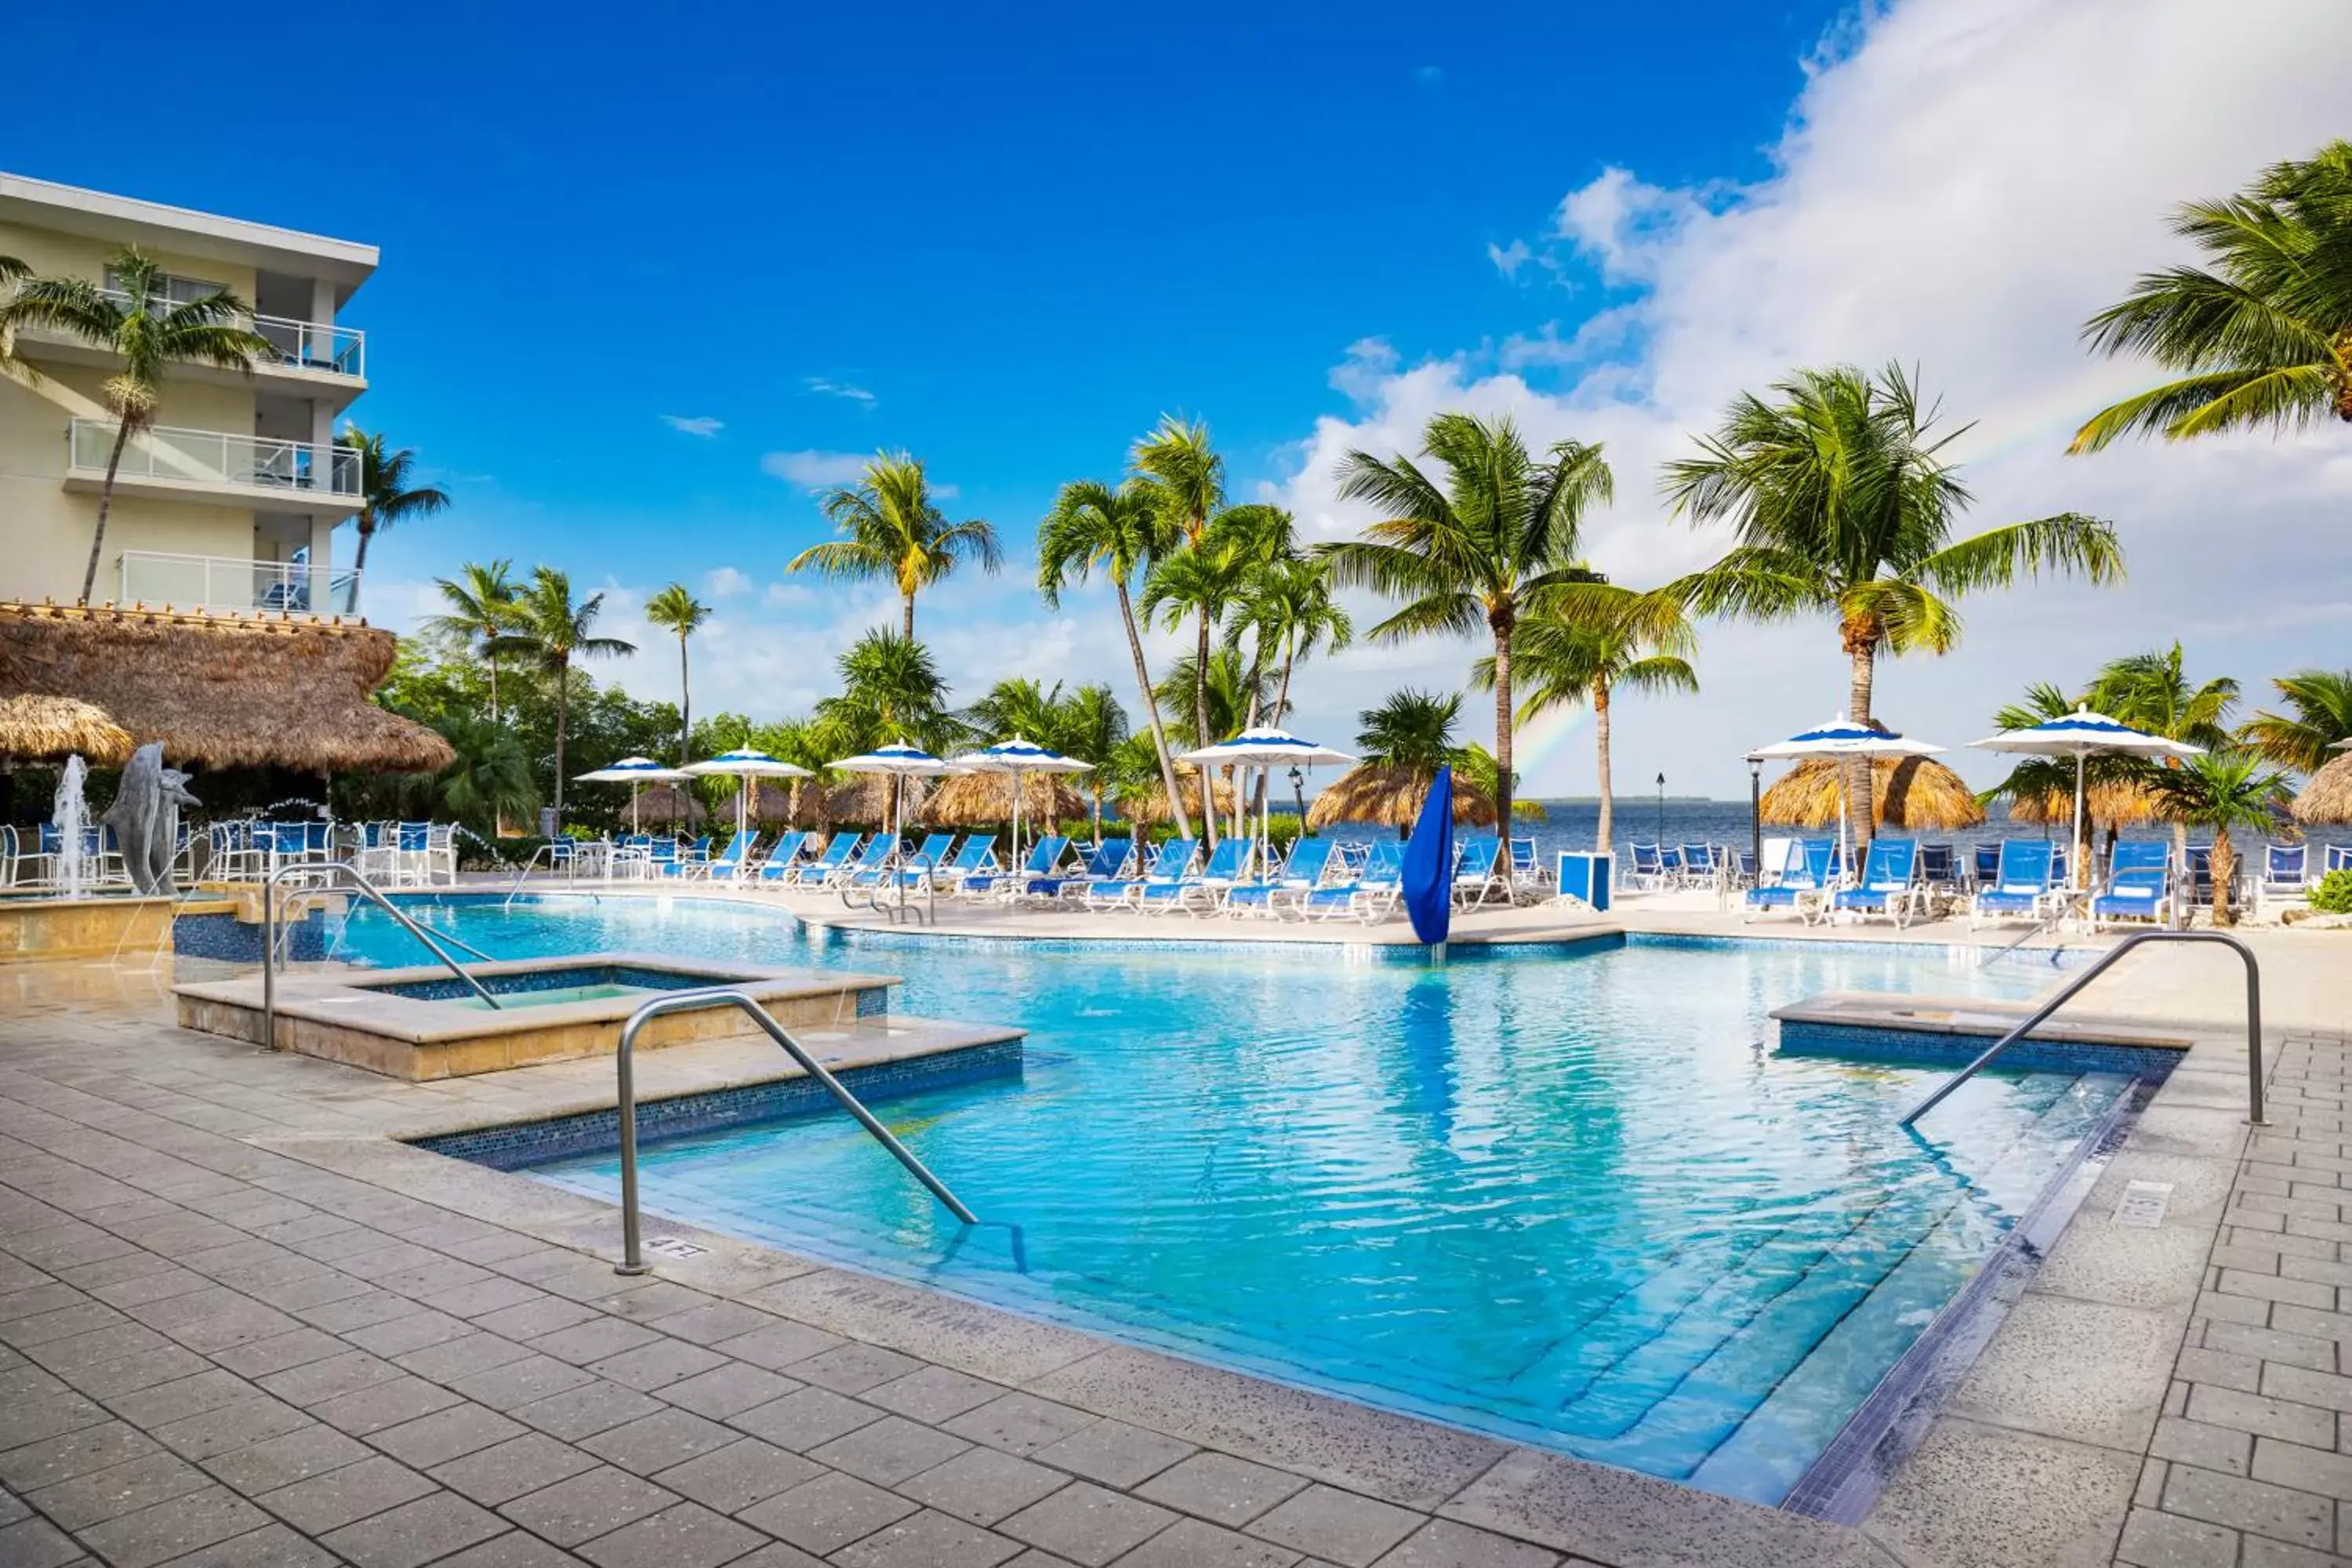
point(864, 800)
point(1906, 791)
point(2327, 798)
point(1390, 796)
point(1148, 806)
point(222, 691)
point(670, 802)
point(41, 727)
point(965, 799)
point(2111, 801)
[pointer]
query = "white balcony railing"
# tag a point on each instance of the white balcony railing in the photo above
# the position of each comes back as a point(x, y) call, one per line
point(215, 457)
point(301, 345)
point(220, 584)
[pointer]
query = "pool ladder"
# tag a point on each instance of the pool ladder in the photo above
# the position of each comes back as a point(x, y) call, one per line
point(900, 905)
point(354, 882)
point(632, 1260)
point(2108, 960)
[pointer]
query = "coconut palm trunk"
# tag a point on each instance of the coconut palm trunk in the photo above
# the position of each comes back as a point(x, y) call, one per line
point(562, 719)
point(1861, 638)
point(2225, 871)
point(105, 505)
point(907, 619)
point(1500, 619)
point(1606, 834)
point(1201, 727)
point(1151, 712)
point(685, 704)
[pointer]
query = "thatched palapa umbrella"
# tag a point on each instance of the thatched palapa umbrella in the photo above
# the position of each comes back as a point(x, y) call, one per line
point(34, 727)
point(865, 800)
point(1906, 793)
point(2327, 800)
point(970, 798)
point(1388, 795)
point(671, 803)
point(2112, 800)
point(1148, 806)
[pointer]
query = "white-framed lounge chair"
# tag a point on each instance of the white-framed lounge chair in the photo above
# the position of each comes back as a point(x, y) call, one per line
point(1530, 881)
point(1371, 896)
point(2338, 859)
point(975, 856)
point(2285, 877)
point(1649, 872)
point(1804, 883)
point(922, 867)
point(1202, 893)
point(779, 859)
point(1890, 884)
point(1300, 874)
point(872, 868)
point(1169, 865)
point(1106, 862)
point(1043, 856)
point(727, 864)
point(2025, 884)
point(1475, 877)
point(1698, 865)
point(2138, 884)
point(833, 857)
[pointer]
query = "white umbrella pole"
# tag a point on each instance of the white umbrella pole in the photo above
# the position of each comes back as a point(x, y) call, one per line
point(633, 806)
point(2075, 872)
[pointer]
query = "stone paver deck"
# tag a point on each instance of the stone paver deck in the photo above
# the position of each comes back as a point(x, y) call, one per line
point(238, 1326)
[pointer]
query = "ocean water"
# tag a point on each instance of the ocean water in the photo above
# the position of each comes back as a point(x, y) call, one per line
point(1571, 1198)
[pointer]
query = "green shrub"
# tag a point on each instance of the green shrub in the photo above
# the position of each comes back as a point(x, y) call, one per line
point(2333, 894)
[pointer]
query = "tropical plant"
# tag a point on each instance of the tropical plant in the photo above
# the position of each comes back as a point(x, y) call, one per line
point(547, 627)
point(2319, 720)
point(1231, 691)
point(2333, 894)
point(1179, 474)
point(675, 610)
point(1092, 727)
point(2220, 791)
point(481, 601)
point(1288, 609)
point(1845, 503)
point(2262, 334)
point(1122, 531)
point(136, 321)
point(1469, 554)
point(1410, 730)
point(893, 528)
point(1019, 708)
point(489, 782)
point(386, 496)
point(1590, 643)
point(2152, 691)
point(1477, 769)
point(891, 690)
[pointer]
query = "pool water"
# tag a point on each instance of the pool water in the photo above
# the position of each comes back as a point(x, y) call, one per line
point(554, 994)
point(1568, 1197)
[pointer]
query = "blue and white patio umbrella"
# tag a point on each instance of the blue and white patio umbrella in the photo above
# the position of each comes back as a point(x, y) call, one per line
point(1841, 737)
point(1019, 757)
point(636, 773)
point(746, 762)
point(1263, 747)
point(2083, 735)
point(901, 759)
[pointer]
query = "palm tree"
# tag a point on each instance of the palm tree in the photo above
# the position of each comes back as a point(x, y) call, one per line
point(1504, 526)
point(2263, 335)
point(135, 322)
point(1232, 689)
point(1845, 503)
point(489, 782)
point(2221, 790)
point(481, 603)
point(547, 627)
point(891, 690)
point(1182, 475)
point(386, 495)
point(673, 609)
point(1092, 728)
point(2321, 721)
point(1290, 609)
point(1123, 531)
point(1198, 583)
point(894, 530)
point(1607, 639)
point(1018, 706)
point(2152, 691)
point(1410, 730)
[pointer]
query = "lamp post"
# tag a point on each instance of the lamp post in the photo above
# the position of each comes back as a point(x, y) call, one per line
point(1299, 794)
point(1662, 811)
point(1756, 812)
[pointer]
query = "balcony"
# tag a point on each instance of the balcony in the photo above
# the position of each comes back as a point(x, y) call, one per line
point(325, 361)
point(325, 348)
point(217, 469)
point(222, 585)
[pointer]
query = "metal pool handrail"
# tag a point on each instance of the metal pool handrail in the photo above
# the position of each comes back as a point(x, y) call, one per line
point(2106, 961)
point(366, 890)
point(631, 1251)
point(899, 867)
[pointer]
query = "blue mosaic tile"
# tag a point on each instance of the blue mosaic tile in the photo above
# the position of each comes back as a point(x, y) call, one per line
point(560, 978)
point(523, 1144)
point(232, 941)
point(1872, 1042)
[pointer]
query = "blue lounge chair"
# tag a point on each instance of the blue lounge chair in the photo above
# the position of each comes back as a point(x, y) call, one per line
point(2025, 884)
point(2339, 858)
point(1288, 889)
point(1204, 893)
point(1804, 886)
point(872, 869)
point(2201, 876)
point(1527, 875)
point(1984, 866)
point(1106, 862)
point(923, 865)
point(1043, 856)
point(834, 855)
point(2138, 884)
point(1938, 868)
point(1889, 886)
point(779, 859)
point(1372, 893)
point(2286, 870)
point(1168, 868)
point(1649, 868)
point(1698, 865)
point(1473, 870)
point(976, 856)
point(727, 863)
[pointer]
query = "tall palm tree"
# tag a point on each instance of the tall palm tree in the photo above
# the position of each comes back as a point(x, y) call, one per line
point(2320, 720)
point(1503, 526)
point(2152, 691)
point(137, 323)
point(1123, 531)
point(1199, 584)
point(1410, 730)
point(1018, 706)
point(1289, 609)
point(1232, 686)
point(1179, 471)
point(893, 528)
point(481, 603)
point(678, 611)
point(547, 627)
point(1092, 728)
point(891, 690)
point(2262, 334)
point(1844, 504)
point(1606, 641)
point(386, 495)
point(2221, 790)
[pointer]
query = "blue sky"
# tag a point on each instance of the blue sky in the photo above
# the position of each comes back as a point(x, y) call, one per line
point(1009, 239)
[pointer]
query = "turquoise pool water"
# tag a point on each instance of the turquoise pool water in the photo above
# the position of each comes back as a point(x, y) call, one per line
point(1574, 1199)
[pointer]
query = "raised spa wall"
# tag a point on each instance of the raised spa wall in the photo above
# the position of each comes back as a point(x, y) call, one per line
point(34, 927)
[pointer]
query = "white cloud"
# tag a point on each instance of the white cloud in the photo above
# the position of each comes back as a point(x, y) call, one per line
point(826, 386)
point(815, 471)
point(701, 424)
point(1958, 187)
point(726, 583)
point(1509, 258)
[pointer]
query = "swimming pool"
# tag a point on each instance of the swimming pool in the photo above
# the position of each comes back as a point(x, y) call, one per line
point(1571, 1198)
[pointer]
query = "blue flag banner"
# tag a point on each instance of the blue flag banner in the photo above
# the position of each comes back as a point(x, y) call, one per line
point(1428, 875)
